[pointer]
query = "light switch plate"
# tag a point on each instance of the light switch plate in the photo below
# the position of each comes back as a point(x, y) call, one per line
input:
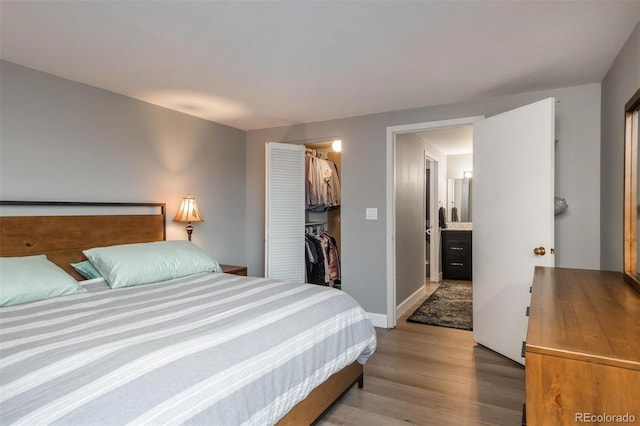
point(371, 213)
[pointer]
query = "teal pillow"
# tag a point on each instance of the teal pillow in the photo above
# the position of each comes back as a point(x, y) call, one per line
point(31, 278)
point(144, 263)
point(86, 269)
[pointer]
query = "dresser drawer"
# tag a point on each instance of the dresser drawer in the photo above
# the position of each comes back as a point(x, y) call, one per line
point(457, 248)
point(457, 265)
point(457, 269)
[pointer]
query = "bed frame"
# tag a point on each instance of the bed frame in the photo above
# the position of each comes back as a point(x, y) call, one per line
point(63, 237)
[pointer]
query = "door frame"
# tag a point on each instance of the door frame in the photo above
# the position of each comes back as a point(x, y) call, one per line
point(390, 190)
point(427, 196)
point(434, 256)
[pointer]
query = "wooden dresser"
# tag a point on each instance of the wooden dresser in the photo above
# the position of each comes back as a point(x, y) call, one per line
point(582, 351)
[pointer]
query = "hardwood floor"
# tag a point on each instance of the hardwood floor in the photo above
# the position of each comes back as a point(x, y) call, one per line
point(429, 375)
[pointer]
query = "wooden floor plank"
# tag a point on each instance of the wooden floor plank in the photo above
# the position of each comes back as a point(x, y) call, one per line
point(423, 375)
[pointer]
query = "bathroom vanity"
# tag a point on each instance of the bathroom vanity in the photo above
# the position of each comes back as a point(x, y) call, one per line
point(456, 253)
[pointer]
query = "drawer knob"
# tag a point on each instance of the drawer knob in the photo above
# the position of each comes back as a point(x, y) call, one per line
point(539, 251)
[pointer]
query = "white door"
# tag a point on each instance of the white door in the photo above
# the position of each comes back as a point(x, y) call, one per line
point(513, 173)
point(284, 205)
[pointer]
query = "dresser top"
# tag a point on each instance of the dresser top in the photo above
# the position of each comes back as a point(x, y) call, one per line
point(587, 315)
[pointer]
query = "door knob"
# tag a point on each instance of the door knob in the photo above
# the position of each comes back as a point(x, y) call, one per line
point(539, 251)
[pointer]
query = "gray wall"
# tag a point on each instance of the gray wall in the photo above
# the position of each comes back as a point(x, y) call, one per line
point(363, 182)
point(620, 83)
point(410, 239)
point(410, 211)
point(61, 140)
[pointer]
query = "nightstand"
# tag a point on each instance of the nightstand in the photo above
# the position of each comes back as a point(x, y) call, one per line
point(233, 269)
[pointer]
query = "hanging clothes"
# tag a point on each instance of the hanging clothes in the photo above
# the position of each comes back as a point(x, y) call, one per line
point(334, 262)
point(315, 262)
point(322, 184)
point(322, 258)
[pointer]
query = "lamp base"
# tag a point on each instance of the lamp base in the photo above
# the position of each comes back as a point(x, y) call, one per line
point(189, 229)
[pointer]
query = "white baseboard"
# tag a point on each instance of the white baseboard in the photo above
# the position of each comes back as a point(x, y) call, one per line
point(438, 278)
point(378, 320)
point(409, 301)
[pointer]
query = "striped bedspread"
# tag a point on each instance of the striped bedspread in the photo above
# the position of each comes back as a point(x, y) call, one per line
point(210, 349)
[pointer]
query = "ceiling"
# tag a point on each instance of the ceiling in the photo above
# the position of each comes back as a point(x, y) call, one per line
point(450, 140)
point(263, 64)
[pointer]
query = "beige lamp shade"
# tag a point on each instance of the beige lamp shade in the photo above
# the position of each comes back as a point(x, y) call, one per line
point(188, 211)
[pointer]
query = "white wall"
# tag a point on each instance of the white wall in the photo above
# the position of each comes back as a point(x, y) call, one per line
point(65, 141)
point(458, 164)
point(363, 182)
point(620, 83)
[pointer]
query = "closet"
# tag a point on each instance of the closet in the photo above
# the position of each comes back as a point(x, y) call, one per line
point(302, 220)
point(323, 196)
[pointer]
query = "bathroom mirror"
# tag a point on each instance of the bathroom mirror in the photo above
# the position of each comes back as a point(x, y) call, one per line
point(459, 200)
point(631, 195)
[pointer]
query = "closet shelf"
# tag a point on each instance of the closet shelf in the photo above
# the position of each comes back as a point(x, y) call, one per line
point(314, 223)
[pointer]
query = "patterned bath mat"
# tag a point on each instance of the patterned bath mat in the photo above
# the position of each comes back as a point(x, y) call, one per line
point(448, 306)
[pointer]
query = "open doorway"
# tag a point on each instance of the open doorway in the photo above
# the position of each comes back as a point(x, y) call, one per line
point(407, 280)
point(448, 212)
point(514, 181)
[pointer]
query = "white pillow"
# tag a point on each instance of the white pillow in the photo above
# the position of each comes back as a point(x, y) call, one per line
point(144, 263)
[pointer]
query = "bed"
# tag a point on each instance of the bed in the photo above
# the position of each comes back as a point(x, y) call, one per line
point(208, 348)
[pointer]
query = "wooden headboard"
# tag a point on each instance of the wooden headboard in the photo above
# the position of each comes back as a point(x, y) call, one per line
point(63, 237)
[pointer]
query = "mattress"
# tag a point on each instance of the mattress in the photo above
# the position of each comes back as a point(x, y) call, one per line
point(206, 349)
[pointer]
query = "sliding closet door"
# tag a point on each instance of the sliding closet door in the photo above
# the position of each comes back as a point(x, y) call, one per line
point(284, 227)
